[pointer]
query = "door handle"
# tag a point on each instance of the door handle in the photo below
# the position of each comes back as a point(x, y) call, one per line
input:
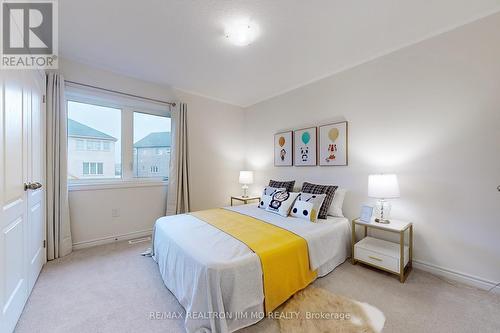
point(32, 186)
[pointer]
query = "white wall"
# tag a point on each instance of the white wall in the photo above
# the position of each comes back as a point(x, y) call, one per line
point(216, 153)
point(93, 221)
point(216, 156)
point(429, 113)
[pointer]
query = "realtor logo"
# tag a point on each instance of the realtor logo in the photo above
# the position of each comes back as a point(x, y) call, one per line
point(29, 34)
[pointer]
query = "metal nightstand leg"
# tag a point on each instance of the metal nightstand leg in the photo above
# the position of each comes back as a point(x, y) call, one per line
point(353, 241)
point(402, 256)
point(410, 261)
point(404, 271)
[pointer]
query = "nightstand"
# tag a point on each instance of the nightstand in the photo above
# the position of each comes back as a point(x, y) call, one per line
point(395, 258)
point(245, 200)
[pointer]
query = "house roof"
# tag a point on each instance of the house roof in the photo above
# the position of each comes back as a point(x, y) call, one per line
point(156, 139)
point(80, 130)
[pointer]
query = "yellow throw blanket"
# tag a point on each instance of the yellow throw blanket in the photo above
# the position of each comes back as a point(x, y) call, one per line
point(284, 256)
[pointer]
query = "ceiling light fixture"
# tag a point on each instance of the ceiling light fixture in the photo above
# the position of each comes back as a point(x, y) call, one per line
point(241, 32)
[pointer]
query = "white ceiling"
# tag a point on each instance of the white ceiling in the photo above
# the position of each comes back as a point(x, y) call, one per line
point(181, 42)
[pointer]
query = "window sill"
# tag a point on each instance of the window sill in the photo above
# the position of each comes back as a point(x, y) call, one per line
point(118, 184)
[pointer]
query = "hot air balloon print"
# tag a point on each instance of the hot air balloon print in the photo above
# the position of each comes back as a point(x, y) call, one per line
point(282, 149)
point(282, 142)
point(305, 146)
point(333, 135)
point(333, 144)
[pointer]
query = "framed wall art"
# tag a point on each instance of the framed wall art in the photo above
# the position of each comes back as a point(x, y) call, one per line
point(333, 144)
point(283, 149)
point(305, 146)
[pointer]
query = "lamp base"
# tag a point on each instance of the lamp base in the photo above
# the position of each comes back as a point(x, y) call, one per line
point(383, 210)
point(244, 188)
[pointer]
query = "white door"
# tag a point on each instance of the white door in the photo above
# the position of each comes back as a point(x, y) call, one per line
point(14, 288)
point(21, 211)
point(35, 196)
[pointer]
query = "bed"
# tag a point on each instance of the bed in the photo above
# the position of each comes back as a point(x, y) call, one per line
point(218, 279)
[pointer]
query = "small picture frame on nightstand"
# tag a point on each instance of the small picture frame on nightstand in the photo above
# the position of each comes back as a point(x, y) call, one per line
point(366, 213)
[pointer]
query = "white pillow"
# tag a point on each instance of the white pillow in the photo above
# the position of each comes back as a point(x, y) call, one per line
point(337, 203)
point(281, 202)
point(307, 206)
point(267, 196)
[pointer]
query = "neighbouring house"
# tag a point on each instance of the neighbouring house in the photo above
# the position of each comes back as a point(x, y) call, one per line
point(91, 153)
point(152, 155)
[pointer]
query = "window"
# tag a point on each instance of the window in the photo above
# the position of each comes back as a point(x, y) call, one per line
point(112, 138)
point(93, 128)
point(93, 145)
point(93, 168)
point(151, 145)
point(86, 168)
point(80, 144)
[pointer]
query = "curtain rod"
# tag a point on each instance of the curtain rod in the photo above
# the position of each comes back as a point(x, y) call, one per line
point(119, 92)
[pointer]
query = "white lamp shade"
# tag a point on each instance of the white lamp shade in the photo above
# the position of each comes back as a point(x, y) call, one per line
point(383, 186)
point(246, 177)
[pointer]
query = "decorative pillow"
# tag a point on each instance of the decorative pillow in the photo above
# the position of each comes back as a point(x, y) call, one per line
point(337, 203)
point(267, 196)
point(286, 184)
point(281, 202)
point(307, 206)
point(329, 190)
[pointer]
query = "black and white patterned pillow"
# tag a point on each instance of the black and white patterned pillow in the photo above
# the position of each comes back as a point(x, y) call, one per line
point(329, 190)
point(267, 196)
point(286, 184)
point(307, 206)
point(281, 202)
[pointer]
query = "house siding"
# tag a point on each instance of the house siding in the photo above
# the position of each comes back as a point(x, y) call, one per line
point(151, 161)
point(76, 158)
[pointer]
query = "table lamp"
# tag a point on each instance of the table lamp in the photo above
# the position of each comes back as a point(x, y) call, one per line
point(246, 178)
point(383, 187)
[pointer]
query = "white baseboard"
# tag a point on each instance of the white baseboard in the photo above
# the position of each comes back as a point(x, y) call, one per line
point(111, 239)
point(449, 274)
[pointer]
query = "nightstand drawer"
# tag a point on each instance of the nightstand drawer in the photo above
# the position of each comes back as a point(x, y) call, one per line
point(379, 253)
point(377, 259)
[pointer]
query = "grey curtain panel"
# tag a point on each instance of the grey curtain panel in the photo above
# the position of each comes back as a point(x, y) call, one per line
point(59, 241)
point(178, 187)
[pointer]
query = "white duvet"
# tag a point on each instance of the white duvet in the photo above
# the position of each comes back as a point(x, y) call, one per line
point(218, 279)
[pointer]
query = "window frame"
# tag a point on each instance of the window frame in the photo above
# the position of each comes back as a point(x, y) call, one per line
point(128, 106)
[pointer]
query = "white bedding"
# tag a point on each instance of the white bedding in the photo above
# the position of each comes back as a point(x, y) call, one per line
point(214, 275)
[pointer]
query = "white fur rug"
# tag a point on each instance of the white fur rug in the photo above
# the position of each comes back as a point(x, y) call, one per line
point(318, 310)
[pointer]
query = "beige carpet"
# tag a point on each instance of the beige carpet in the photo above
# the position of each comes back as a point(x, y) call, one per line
point(112, 289)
